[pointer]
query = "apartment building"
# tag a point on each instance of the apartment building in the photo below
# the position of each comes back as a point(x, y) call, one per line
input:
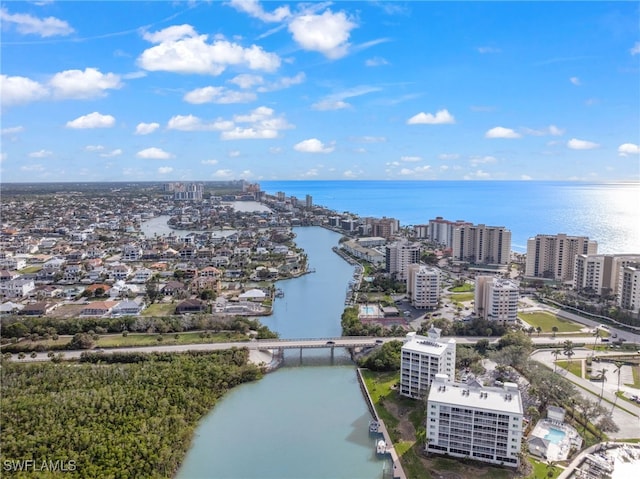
point(481, 244)
point(384, 227)
point(398, 257)
point(440, 231)
point(423, 286)
point(629, 288)
point(554, 256)
point(422, 358)
point(600, 273)
point(481, 423)
point(496, 299)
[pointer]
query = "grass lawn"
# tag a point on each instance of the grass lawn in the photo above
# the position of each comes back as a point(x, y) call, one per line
point(133, 339)
point(160, 309)
point(465, 288)
point(30, 269)
point(462, 297)
point(636, 377)
point(547, 321)
point(540, 470)
point(575, 367)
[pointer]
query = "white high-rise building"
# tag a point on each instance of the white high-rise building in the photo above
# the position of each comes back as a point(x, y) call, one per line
point(554, 256)
point(423, 286)
point(421, 358)
point(629, 288)
point(496, 299)
point(480, 244)
point(440, 230)
point(481, 423)
point(600, 273)
point(399, 256)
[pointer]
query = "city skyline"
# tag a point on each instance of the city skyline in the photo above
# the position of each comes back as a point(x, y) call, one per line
point(171, 91)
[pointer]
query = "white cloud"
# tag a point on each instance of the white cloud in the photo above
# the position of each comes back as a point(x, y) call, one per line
point(234, 154)
point(209, 162)
point(635, 49)
point(181, 50)
point(92, 120)
point(246, 80)
point(32, 168)
point(448, 156)
point(501, 132)
point(30, 25)
point(326, 105)
point(576, 144)
point(146, 128)
point(376, 62)
point(264, 125)
point(219, 95)
point(310, 173)
point(163, 170)
point(223, 174)
point(479, 174)
point(575, 81)
point(193, 123)
point(525, 177)
point(275, 150)
point(154, 153)
point(418, 170)
point(94, 148)
point(327, 33)
point(410, 158)
point(40, 154)
point(369, 139)
point(550, 130)
point(12, 130)
point(441, 117)
point(480, 160)
point(249, 134)
point(351, 174)
point(3, 156)
point(284, 82)
point(20, 90)
point(313, 145)
point(484, 50)
point(253, 8)
point(627, 149)
point(78, 84)
point(112, 153)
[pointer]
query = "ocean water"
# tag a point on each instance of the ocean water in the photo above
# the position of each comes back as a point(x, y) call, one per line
point(608, 213)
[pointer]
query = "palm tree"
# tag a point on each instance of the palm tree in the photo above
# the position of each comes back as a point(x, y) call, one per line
point(551, 468)
point(618, 370)
point(597, 335)
point(568, 349)
point(603, 377)
point(555, 353)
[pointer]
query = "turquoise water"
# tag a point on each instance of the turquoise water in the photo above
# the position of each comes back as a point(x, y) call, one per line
point(555, 435)
point(606, 212)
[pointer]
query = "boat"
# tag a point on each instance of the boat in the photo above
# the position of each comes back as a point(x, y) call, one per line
point(374, 425)
point(381, 447)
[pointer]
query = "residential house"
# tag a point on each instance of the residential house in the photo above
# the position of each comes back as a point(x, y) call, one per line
point(142, 275)
point(38, 309)
point(119, 271)
point(131, 252)
point(98, 308)
point(16, 288)
point(191, 306)
point(173, 288)
point(127, 308)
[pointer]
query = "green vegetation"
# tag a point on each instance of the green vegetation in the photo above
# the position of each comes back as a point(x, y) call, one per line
point(546, 321)
point(465, 288)
point(459, 298)
point(384, 358)
point(542, 470)
point(635, 370)
point(120, 341)
point(30, 269)
point(115, 420)
point(574, 367)
point(159, 309)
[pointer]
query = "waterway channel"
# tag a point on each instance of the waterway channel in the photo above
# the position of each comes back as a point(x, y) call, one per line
point(308, 419)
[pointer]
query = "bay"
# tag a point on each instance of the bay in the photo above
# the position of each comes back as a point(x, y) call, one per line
point(605, 212)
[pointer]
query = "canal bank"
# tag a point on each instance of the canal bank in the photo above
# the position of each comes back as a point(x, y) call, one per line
point(308, 418)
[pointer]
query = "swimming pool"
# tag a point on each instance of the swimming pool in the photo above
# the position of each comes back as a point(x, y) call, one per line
point(368, 310)
point(554, 435)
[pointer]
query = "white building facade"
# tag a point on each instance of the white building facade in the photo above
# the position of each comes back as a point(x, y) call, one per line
point(480, 423)
point(399, 256)
point(496, 299)
point(421, 358)
point(554, 256)
point(629, 291)
point(481, 244)
point(423, 286)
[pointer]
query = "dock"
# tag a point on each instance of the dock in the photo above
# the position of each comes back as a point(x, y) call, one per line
point(398, 472)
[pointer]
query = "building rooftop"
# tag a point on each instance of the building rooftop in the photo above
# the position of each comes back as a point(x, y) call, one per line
point(505, 399)
point(424, 344)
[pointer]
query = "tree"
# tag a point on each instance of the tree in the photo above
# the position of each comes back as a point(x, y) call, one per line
point(607, 424)
point(597, 335)
point(551, 469)
point(618, 370)
point(568, 349)
point(555, 330)
point(482, 345)
point(602, 375)
point(555, 353)
point(538, 330)
point(82, 341)
point(34, 355)
point(589, 410)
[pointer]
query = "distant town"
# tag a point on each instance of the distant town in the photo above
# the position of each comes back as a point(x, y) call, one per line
point(80, 268)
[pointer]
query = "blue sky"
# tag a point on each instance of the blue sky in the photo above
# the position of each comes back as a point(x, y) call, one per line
point(129, 91)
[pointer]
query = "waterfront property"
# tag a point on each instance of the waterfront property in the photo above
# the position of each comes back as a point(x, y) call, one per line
point(422, 358)
point(552, 439)
point(481, 423)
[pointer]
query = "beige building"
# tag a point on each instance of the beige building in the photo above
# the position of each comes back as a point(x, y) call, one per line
point(423, 286)
point(481, 244)
point(496, 299)
point(629, 288)
point(399, 256)
point(554, 256)
point(600, 273)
